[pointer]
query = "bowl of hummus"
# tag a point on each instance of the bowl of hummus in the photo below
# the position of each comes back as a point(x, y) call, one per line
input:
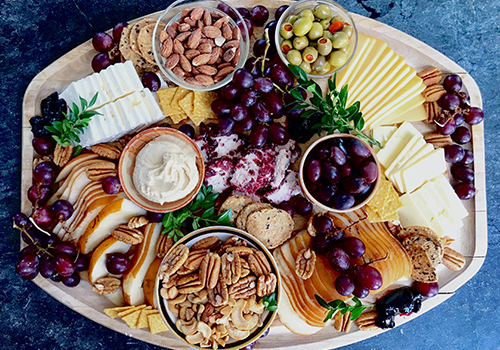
point(161, 169)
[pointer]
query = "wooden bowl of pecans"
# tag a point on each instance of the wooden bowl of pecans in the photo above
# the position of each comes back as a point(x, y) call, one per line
point(218, 287)
point(198, 46)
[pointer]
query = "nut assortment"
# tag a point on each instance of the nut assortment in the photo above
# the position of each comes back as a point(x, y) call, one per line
point(202, 47)
point(217, 292)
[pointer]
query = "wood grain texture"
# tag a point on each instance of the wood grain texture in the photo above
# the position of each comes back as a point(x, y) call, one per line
point(76, 64)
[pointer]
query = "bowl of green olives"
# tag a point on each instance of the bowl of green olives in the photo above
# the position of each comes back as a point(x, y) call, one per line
point(319, 36)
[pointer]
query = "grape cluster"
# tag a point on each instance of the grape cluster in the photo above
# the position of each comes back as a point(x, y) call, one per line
point(107, 46)
point(456, 117)
point(342, 253)
point(44, 254)
point(53, 109)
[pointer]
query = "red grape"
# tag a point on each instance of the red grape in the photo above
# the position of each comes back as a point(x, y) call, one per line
point(248, 24)
point(369, 171)
point(449, 102)
point(249, 98)
point(344, 285)
point(64, 265)
point(302, 206)
point(286, 207)
point(239, 112)
point(226, 126)
point(273, 101)
point(117, 263)
point(259, 15)
point(230, 92)
point(82, 263)
point(102, 42)
point(187, 129)
point(111, 185)
point(258, 136)
point(45, 173)
point(151, 81)
point(100, 61)
point(281, 76)
point(43, 217)
point(280, 11)
point(155, 217)
point(461, 135)
point(246, 124)
point(71, 281)
point(263, 85)
point(56, 278)
point(259, 47)
point(65, 248)
point(243, 79)
point(468, 158)
point(244, 12)
point(32, 236)
point(459, 119)
point(428, 290)
point(117, 31)
point(47, 269)
point(445, 126)
point(354, 246)
point(38, 194)
point(475, 116)
point(360, 291)
point(62, 210)
point(462, 173)
point(278, 134)
point(321, 244)
point(261, 113)
point(339, 260)
point(343, 202)
point(323, 224)
point(19, 220)
point(43, 145)
point(221, 107)
point(31, 249)
point(28, 266)
point(369, 277)
point(452, 83)
point(453, 153)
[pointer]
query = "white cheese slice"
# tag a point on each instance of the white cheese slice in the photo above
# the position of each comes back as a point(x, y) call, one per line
point(408, 151)
point(437, 204)
point(409, 103)
point(445, 190)
point(382, 134)
point(120, 79)
point(425, 169)
point(396, 143)
point(431, 210)
point(410, 214)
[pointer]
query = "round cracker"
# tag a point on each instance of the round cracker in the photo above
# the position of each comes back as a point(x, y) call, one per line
point(134, 33)
point(140, 64)
point(271, 226)
point(423, 271)
point(432, 246)
point(145, 42)
point(236, 203)
point(241, 219)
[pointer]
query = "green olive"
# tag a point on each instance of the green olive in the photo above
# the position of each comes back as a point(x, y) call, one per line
point(327, 34)
point(318, 64)
point(307, 14)
point(325, 69)
point(300, 42)
point(322, 11)
point(324, 46)
point(302, 26)
point(316, 31)
point(345, 49)
point(325, 23)
point(306, 67)
point(336, 18)
point(286, 30)
point(291, 19)
point(337, 58)
point(340, 40)
point(286, 45)
point(294, 57)
point(310, 54)
point(347, 30)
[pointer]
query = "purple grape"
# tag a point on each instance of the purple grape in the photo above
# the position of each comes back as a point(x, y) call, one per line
point(65, 248)
point(71, 281)
point(259, 47)
point(369, 171)
point(452, 83)
point(446, 126)
point(321, 244)
point(261, 113)
point(475, 116)
point(280, 11)
point(339, 260)
point(273, 101)
point(453, 153)
point(56, 278)
point(322, 151)
point(263, 85)
point(36, 236)
point(357, 148)
point(344, 285)
point(102, 42)
point(187, 129)
point(464, 100)
point(265, 333)
point(239, 112)
point(338, 156)
point(246, 124)
point(313, 170)
point(354, 246)
point(165, 125)
point(43, 145)
point(459, 119)
point(45, 173)
point(281, 76)
point(286, 207)
point(227, 10)
point(62, 210)
point(360, 291)
point(43, 217)
point(278, 134)
point(250, 346)
point(151, 81)
point(343, 202)
point(226, 126)
point(330, 173)
point(345, 170)
point(465, 190)
point(243, 79)
point(271, 29)
point(117, 263)
point(449, 102)
point(64, 265)
point(254, 67)
point(462, 173)
point(155, 217)
point(324, 194)
point(259, 15)
point(323, 224)
point(49, 241)
point(302, 206)
point(117, 31)
point(82, 263)
point(28, 266)
point(100, 61)
point(19, 220)
point(427, 290)
point(461, 135)
point(221, 107)
point(38, 194)
point(111, 185)
point(31, 249)
point(258, 136)
point(249, 98)
point(244, 12)
point(47, 269)
point(353, 184)
point(230, 92)
point(369, 277)
point(468, 158)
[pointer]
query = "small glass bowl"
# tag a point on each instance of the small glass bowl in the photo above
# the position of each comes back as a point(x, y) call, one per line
point(173, 14)
point(337, 10)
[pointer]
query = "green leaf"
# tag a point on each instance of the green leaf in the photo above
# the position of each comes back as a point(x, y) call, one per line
point(343, 96)
point(168, 220)
point(208, 189)
point(171, 234)
point(225, 216)
point(272, 308)
point(200, 197)
point(298, 72)
point(357, 301)
point(300, 106)
point(356, 313)
point(337, 304)
point(297, 95)
point(329, 315)
point(208, 213)
point(76, 151)
point(308, 113)
point(83, 103)
point(212, 197)
point(93, 100)
point(75, 110)
point(52, 129)
point(332, 83)
point(321, 301)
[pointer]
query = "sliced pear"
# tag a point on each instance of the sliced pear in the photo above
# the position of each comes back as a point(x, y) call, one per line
point(149, 281)
point(291, 320)
point(97, 266)
point(132, 280)
point(116, 297)
point(73, 163)
point(113, 214)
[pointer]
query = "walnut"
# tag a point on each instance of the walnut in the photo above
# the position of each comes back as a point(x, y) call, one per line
point(106, 285)
point(258, 263)
point(266, 284)
point(209, 270)
point(219, 295)
point(127, 235)
point(230, 268)
point(305, 263)
point(244, 288)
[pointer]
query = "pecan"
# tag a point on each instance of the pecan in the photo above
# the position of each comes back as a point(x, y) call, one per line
point(222, 73)
point(189, 284)
point(219, 23)
point(219, 295)
point(172, 32)
point(396, 229)
point(245, 269)
point(166, 47)
point(207, 70)
point(366, 321)
point(124, 141)
point(178, 48)
point(258, 263)
point(163, 245)
point(183, 36)
point(190, 54)
point(184, 27)
point(453, 259)
point(204, 79)
point(127, 235)
point(194, 39)
point(193, 261)
point(174, 260)
point(209, 270)
point(230, 268)
point(201, 59)
point(172, 61)
point(197, 13)
point(172, 281)
point(244, 288)
point(430, 76)
point(305, 263)
point(438, 140)
point(212, 243)
point(138, 221)
point(62, 155)
point(207, 18)
point(186, 66)
point(433, 93)
point(205, 48)
point(229, 54)
point(106, 285)
point(214, 56)
point(193, 81)
point(266, 284)
point(432, 110)
point(342, 323)
point(211, 31)
point(163, 36)
point(107, 150)
point(101, 169)
point(236, 58)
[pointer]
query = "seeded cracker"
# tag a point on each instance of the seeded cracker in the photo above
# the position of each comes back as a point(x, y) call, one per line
point(423, 271)
point(270, 226)
point(241, 219)
point(156, 324)
point(187, 104)
point(140, 64)
point(145, 42)
point(236, 203)
point(202, 106)
point(134, 33)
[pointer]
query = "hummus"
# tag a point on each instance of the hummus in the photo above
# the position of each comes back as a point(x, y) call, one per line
point(165, 170)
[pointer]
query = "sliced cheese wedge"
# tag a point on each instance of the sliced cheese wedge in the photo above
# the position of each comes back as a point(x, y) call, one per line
point(408, 151)
point(365, 44)
point(382, 134)
point(395, 175)
point(412, 115)
point(396, 143)
point(423, 170)
point(445, 190)
point(410, 214)
point(438, 205)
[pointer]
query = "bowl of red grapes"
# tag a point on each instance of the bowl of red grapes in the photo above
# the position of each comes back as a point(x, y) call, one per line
point(339, 173)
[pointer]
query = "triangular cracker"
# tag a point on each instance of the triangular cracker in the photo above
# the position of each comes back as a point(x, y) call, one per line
point(132, 309)
point(143, 318)
point(156, 324)
point(113, 311)
point(131, 319)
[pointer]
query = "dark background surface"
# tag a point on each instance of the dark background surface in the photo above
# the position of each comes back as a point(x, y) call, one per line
point(34, 33)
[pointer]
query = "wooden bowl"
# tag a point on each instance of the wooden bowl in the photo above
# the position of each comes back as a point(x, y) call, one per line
point(308, 194)
point(223, 232)
point(126, 168)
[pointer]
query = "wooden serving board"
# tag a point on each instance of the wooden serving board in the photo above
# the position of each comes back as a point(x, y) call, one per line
point(471, 241)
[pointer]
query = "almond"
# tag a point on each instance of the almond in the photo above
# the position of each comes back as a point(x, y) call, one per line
point(197, 13)
point(186, 12)
point(172, 61)
point(216, 15)
point(207, 18)
point(207, 41)
point(184, 27)
point(185, 64)
point(199, 24)
point(183, 36)
point(167, 47)
point(190, 21)
point(231, 44)
point(207, 70)
point(214, 56)
point(178, 71)
point(236, 33)
point(178, 48)
point(201, 59)
point(190, 54)
point(205, 48)
point(163, 36)
point(211, 32)
point(222, 73)
point(193, 81)
point(227, 33)
point(194, 39)
point(205, 80)
point(236, 58)
point(223, 65)
point(229, 54)
point(195, 71)
point(171, 32)
point(218, 24)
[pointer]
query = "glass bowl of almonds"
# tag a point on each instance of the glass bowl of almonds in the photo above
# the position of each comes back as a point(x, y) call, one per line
point(198, 45)
point(218, 287)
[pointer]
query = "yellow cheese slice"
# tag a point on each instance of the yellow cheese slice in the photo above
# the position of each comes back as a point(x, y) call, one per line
point(406, 105)
point(412, 115)
point(411, 148)
point(396, 143)
point(365, 44)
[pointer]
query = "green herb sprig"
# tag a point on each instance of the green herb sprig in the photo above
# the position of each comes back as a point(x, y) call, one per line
point(339, 305)
point(270, 302)
point(66, 131)
point(201, 210)
point(335, 116)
